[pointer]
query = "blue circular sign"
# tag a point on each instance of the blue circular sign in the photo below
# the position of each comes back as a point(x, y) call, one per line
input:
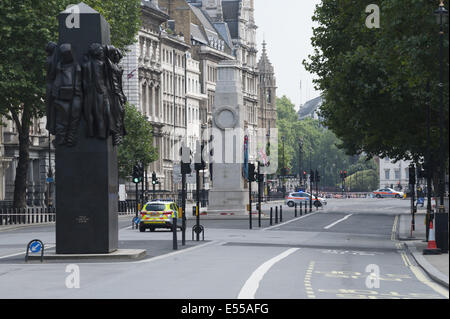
point(35, 247)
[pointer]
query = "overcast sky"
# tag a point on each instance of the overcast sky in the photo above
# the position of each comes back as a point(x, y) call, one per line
point(286, 26)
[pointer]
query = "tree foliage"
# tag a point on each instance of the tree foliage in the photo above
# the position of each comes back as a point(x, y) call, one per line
point(26, 27)
point(320, 147)
point(374, 81)
point(137, 145)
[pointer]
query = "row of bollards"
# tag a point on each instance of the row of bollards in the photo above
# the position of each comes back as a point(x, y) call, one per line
point(298, 209)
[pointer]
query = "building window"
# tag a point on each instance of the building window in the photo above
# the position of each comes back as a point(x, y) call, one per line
point(387, 174)
point(397, 174)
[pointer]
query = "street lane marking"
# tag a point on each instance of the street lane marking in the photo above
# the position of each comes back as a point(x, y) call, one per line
point(308, 288)
point(422, 278)
point(338, 221)
point(394, 228)
point(250, 287)
point(289, 221)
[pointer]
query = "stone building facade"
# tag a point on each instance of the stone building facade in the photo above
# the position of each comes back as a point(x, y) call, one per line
point(39, 152)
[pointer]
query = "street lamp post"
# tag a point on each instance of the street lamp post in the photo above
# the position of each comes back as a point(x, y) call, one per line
point(441, 219)
point(441, 14)
point(300, 152)
point(283, 171)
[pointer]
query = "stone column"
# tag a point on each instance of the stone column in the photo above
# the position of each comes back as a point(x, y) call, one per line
point(228, 193)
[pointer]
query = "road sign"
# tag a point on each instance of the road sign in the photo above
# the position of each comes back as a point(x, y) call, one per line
point(35, 247)
point(50, 180)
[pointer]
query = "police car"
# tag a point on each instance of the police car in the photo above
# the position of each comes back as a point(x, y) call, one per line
point(158, 214)
point(302, 197)
point(387, 192)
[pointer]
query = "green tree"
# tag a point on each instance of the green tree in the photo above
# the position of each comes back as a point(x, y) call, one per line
point(374, 81)
point(137, 145)
point(25, 28)
point(320, 146)
point(362, 181)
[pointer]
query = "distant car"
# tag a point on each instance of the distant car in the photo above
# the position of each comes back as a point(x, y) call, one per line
point(303, 197)
point(387, 192)
point(158, 214)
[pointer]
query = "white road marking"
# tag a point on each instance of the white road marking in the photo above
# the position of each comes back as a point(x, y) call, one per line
point(338, 221)
point(250, 287)
point(24, 252)
point(421, 277)
point(176, 253)
point(289, 221)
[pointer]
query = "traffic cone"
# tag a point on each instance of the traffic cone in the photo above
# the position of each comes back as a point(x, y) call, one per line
point(432, 248)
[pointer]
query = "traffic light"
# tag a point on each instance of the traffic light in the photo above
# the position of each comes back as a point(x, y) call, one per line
point(305, 175)
point(317, 177)
point(312, 176)
point(252, 175)
point(154, 179)
point(345, 174)
point(422, 172)
point(137, 173)
point(341, 174)
point(186, 160)
point(200, 163)
point(412, 175)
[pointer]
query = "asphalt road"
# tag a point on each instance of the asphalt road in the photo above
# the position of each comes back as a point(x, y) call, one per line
point(329, 253)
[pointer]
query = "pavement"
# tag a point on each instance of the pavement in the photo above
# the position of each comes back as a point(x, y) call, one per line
point(436, 266)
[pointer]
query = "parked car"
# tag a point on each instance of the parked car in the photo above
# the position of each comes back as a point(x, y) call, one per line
point(387, 192)
point(158, 214)
point(303, 197)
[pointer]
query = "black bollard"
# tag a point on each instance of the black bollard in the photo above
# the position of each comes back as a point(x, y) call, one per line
point(271, 212)
point(295, 210)
point(276, 214)
point(174, 230)
point(281, 214)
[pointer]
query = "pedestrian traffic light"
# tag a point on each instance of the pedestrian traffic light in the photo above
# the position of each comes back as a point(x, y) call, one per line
point(252, 175)
point(154, 179)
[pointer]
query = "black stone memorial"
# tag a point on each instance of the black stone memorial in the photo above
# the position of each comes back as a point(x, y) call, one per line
point(85, 110)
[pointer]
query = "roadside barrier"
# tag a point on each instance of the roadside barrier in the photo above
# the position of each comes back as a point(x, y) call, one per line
point(18, 216)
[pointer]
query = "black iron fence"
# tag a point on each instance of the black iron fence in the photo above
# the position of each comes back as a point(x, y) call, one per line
point(16, 216)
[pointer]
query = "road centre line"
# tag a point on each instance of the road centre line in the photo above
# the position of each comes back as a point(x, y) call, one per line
point(289, 221)
point(250, 287)
point(338, 221)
